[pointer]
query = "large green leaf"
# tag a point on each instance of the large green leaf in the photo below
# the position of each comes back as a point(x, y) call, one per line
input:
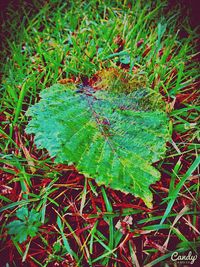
point(112, 137)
